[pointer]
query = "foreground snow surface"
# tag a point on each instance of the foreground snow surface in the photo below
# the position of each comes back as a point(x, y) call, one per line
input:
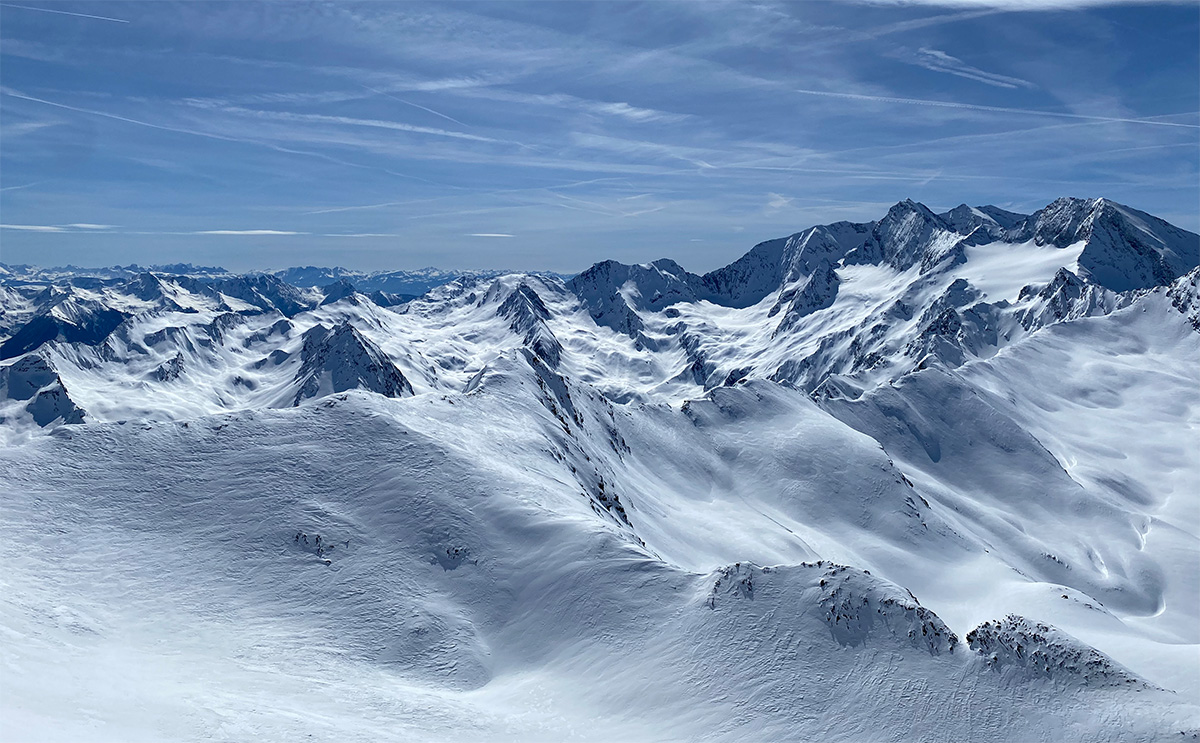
point(931, 478)
point(156, 590)
point(164, 597)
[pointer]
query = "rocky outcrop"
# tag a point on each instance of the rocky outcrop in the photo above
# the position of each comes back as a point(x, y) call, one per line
point(857, 607)
point(1032, 650)
point(1184, 294)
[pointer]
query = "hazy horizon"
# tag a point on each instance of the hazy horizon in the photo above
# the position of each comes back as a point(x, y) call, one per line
point(548, 136)
point(460, 269)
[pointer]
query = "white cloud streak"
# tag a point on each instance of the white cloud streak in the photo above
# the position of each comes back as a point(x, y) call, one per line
point(939, 61)
point(560, 100)
point(11, 131)
point(64, 12)
point(209, 135)
point(82, 228)
point(777, 201)
point(414, 105)
point(61, 228)
point(246, 232)
point(991, 109)
point(495, 192)
point(362, 234)
point(32, 227)
point(1025, 5)
point(348, 121)
point(23, 185)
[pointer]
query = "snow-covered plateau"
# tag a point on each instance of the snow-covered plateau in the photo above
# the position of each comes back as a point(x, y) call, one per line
point(928, 478)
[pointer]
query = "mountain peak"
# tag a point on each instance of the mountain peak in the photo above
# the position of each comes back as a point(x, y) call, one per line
point(908, 234)
point(338, 290)
point(901, 209)
point(1124, 248)
point(344, 359)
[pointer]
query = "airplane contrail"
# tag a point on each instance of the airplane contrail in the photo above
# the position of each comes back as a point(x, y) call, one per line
point(17, 188)
point(66, 12)
point(414, 105)
point(993, 109)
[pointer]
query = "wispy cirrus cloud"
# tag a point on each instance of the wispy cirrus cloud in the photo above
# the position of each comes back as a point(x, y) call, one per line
point(1025, 5)
point(414, 105)
point(777, 201)
point(33, 227)
point(559, 100)
point(235, 137)
point(73, 227)
point(254, 233)
point(351, 121)
point(997, 109)
point(23, 128)
point(21, 187)
point(89, 228)
point(939, 61)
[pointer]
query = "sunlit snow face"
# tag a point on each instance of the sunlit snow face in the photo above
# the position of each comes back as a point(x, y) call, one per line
point(523, 136)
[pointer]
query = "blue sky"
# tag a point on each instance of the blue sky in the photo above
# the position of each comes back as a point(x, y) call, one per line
point(551, 135)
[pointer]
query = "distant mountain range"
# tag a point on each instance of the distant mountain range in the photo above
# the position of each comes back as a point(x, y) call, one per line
point(408, 283)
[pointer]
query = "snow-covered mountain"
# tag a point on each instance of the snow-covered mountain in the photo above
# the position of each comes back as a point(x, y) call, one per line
point(407, 284)
point(927, 477)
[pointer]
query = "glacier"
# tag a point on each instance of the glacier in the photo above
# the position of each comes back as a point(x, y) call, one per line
point(931, 477)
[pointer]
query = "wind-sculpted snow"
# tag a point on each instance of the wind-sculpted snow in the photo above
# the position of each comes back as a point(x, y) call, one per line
point(639, 504)
point(466, 594)
point(991, 465)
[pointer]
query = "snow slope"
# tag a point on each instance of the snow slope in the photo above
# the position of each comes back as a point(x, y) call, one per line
point(927, 478)
point(475, 599)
